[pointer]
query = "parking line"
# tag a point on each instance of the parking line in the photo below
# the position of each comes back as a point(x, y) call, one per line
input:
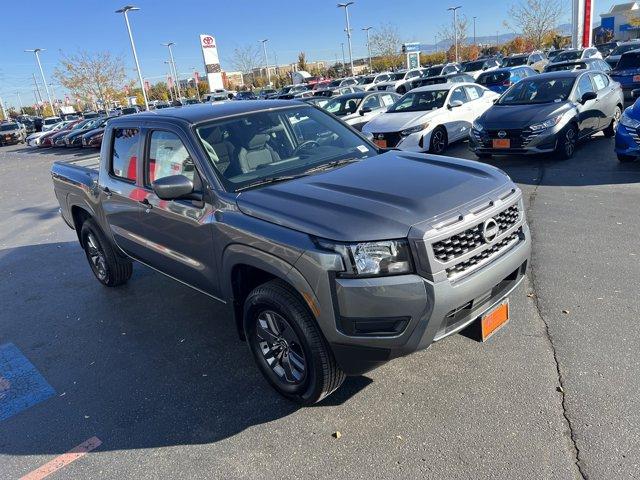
point(64, 459)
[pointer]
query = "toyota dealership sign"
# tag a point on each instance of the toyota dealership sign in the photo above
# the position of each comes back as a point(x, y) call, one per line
point(211, 61)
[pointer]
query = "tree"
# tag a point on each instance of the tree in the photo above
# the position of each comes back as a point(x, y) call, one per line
point(91, 75)
point(302, 61)
point(535, 19)
point(450, 35)
point(385, 47)
point(245, 59)
point(159, 91)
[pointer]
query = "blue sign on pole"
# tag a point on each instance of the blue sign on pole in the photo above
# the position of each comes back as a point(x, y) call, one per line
point(411, 47)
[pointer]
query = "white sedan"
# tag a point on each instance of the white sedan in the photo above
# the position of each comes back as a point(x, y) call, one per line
point(358, 108)
point(430, 118)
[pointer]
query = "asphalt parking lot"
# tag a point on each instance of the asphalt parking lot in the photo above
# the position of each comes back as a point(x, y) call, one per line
point(155, 371)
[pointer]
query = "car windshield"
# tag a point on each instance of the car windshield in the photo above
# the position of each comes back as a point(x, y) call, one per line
point(335, 83)
point(420, 101)
point(493, 78)
point(51, 121)
point(397, 76)
point(625, 48)
point(129, 110)
point(566, 66)
point(341, 106)
point(567, 56)
point(538, 90)
point(432, 72)
point(473, 66)
point(553, 53)
point(514, 61)
point(5, 127)
point(278, 144)
point(365, 80)
point(629, 60)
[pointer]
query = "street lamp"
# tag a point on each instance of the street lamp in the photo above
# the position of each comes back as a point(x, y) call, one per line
point(172, 89)
point(343, 60)
point(366, 29)
point(266, 62)
point(455, 26)
point(125, 10)
point(474, 30)
point(346, 15)
point(37, 51)
point(175, 70)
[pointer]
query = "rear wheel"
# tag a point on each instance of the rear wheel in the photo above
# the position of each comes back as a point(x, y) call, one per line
point(109, 268)
point(625, 158)
point(567, 142)
point(438, 142)
point(288, 346)
point(610, 131)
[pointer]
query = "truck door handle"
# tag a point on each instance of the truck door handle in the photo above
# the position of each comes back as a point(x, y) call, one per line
point(107, 192)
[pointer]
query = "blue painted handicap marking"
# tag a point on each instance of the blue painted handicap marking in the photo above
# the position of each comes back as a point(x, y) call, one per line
point(21, 385)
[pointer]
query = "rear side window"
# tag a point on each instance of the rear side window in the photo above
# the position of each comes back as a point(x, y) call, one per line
point(124, 153)
point(493, 78)
point(167, 156)
point(600, 80)
point(629, 60)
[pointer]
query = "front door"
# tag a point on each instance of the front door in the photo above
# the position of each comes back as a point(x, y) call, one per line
point(588, 112)
point(457, 118)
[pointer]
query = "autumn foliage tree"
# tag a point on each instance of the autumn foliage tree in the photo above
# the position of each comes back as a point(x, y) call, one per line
point(92, 76)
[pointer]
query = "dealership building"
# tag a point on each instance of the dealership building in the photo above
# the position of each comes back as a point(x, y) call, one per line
point(617, 20)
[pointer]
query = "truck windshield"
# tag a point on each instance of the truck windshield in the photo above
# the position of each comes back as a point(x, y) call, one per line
point(278, 144)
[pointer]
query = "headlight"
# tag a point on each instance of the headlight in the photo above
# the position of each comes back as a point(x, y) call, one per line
point(629, 122)
point(476, 126)
point(552, 122)
point(416, 129)
point(372, 259)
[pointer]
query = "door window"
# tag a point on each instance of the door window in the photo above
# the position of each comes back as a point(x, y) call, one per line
point(458, 94)
point(584, 86)
point(372, 102)
point(472, 92)
point(600, 81)
point(167, 156)
point(124, 153)
point(388, 100)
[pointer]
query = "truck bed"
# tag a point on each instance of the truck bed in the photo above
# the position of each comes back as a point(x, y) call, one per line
point(75, 183)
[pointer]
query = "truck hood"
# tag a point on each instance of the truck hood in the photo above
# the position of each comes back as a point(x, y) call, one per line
point(397, 121)
point(520, 116)
point(376, 198)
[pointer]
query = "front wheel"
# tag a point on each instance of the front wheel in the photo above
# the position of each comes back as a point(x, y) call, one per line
point(288, 346)
point(567, 140)
point(610, 131)
point(109, 268)
point(438, 142)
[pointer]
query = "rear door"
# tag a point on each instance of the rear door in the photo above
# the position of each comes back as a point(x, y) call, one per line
point(588, 113)
point(607, 99)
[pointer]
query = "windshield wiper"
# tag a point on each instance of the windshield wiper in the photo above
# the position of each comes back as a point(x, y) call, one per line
point(268, 180)
point(331, 165)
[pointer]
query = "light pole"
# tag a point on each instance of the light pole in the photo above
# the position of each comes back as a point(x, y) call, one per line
point(346, 15)
point(266, 61)
point(474, 30)
point(366, 29)
point(343, 60)
point(175, 70)
point(196, 81)
point(125, 10)
point(37, 51)
point(455, 26)
point(20, 103)
point(170, 80)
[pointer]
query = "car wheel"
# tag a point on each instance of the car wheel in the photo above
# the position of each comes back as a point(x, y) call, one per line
point(567, 142)
point(109, 268)
point(438, 142)
point(625, 158)
point(610, 131)
point(288, 346)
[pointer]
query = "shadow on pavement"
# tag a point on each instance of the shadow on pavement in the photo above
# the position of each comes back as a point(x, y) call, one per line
point(149, 364)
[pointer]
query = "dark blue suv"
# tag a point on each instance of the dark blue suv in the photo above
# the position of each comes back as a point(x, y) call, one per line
point(502, 78)
point(627, 72)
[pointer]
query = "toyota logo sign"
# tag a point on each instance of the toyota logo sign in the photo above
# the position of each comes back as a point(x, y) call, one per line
point(208, 42)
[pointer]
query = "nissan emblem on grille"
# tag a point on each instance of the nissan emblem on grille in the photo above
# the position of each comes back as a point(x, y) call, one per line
point(502, 134)
point(490, 230)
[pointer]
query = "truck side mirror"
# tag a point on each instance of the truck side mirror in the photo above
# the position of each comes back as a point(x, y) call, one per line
point(174, 187)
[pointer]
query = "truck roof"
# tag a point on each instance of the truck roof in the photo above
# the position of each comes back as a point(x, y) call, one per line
point(210, 111)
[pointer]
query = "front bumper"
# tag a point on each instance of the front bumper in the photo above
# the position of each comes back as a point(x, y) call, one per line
point(627, 141)
point(544, 142)
point(411, 310)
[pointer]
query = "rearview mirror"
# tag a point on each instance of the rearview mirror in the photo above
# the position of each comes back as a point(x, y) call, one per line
point(364, 110)
point(635, 93)
point(588, 96)
point(173, 187)
point(455, 104)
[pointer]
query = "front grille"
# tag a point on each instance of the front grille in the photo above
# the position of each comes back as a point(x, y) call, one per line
point(392, 138)
point(464, 242)
point(515, 135)
point(482, 257)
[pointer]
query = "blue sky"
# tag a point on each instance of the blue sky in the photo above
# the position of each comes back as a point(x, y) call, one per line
point(316, 27)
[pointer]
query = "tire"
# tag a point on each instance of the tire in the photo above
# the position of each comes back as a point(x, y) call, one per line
point(288, 346)
point(438, 142)
point(108, 267)
point(401, 90)
point(625, 158)
point(610, 131)
point(567, 140)
point(484, 156)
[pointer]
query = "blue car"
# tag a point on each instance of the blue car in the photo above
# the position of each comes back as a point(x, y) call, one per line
point(502, 78)
point(628, 134)
point(627, 72)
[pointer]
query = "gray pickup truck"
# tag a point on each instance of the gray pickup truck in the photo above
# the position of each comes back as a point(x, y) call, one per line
point(335, 256)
